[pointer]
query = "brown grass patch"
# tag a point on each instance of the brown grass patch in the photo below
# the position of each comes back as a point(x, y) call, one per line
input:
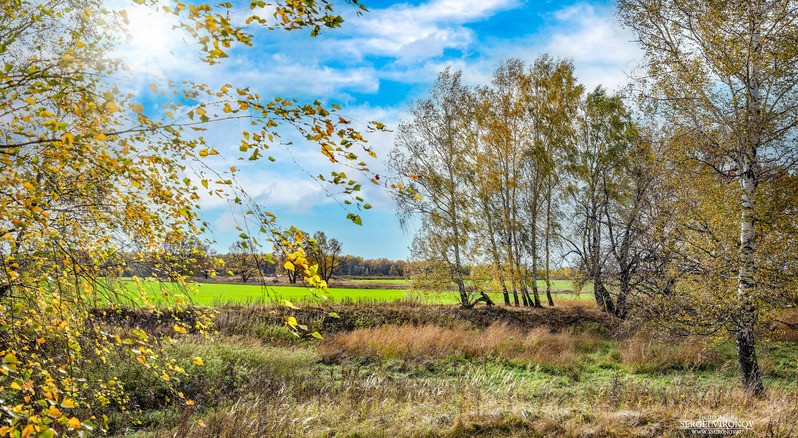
point(641, 353)
point(420, 343)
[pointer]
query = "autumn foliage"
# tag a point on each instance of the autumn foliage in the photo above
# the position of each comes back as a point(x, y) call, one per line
point(89, 177)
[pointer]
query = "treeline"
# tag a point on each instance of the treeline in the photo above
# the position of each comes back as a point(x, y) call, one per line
point(516, 173)
point(193, 258)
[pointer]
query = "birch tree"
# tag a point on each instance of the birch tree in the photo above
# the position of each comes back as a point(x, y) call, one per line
point(429, 154)
point(725, 74)
point(602, 146)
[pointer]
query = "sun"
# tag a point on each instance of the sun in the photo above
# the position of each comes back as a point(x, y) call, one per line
point(153, 46)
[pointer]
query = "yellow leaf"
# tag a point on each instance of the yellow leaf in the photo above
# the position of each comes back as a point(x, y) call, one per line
point(28, 185)
point(73, 423)
point(142, 360)
point(68, 138)
point(111, 107)
point(179, 329)
point(290, 305)
point(166, 377)
point(138, 108)
point(203, 153)
point(15, 385)
point(100, 137)
point(28, 431)
point(10, 358)
point(198, 361)
point(40, 340)
point(288, 266)
point(189, 402)
point(292, 321)
point(202, 423)
point(54, 412)
point(67, 403)
point(30, 100)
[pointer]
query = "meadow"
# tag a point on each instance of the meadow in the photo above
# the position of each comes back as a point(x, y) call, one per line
point(209, 294)
point(405, 368)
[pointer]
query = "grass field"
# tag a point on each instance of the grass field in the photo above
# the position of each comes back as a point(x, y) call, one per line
point(556, 285)
point(216, 294)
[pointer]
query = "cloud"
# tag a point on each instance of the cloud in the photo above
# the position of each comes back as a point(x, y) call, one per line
point(599, 46)
point(409, 33)
point(406, 44)
point(290, 75)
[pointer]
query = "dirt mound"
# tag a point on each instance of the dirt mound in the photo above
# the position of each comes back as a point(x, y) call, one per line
point(243, 319)
point(235, 319)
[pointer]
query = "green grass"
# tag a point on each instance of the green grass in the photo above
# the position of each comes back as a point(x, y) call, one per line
point(556, 285)
point(217, 294)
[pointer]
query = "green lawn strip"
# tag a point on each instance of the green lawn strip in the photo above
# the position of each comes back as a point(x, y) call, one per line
point(217, 294)
point(556, 285)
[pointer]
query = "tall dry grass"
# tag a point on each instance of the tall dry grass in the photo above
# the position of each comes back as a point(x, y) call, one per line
point(643, 353)
point(499, 341)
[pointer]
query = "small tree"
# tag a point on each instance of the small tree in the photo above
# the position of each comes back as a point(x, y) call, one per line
point(242, 261)
point(326, 254)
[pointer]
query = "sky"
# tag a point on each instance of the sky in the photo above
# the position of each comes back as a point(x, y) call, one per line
point(374, 67)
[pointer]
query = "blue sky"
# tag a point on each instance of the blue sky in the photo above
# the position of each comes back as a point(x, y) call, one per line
point(374, 66)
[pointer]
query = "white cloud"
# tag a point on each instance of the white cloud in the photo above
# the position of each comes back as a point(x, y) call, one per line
point(286, 75)
point(602, 50)
point(411, 33)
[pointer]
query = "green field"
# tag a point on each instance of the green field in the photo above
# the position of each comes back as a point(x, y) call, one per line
point(217, 294)
point(556, 285)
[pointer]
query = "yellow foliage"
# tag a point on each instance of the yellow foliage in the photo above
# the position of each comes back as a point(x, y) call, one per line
point(86, 171)
point(73, 423)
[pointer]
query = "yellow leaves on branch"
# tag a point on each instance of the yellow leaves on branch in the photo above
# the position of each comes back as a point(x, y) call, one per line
point(123, 171)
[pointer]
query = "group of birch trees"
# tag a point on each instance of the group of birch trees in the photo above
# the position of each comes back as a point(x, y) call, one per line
point(683, 216)
point(513, 175)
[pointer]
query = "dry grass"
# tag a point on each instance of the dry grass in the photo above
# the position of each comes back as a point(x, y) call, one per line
point(642, 353)
point(499, 404)
point(429, 342)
